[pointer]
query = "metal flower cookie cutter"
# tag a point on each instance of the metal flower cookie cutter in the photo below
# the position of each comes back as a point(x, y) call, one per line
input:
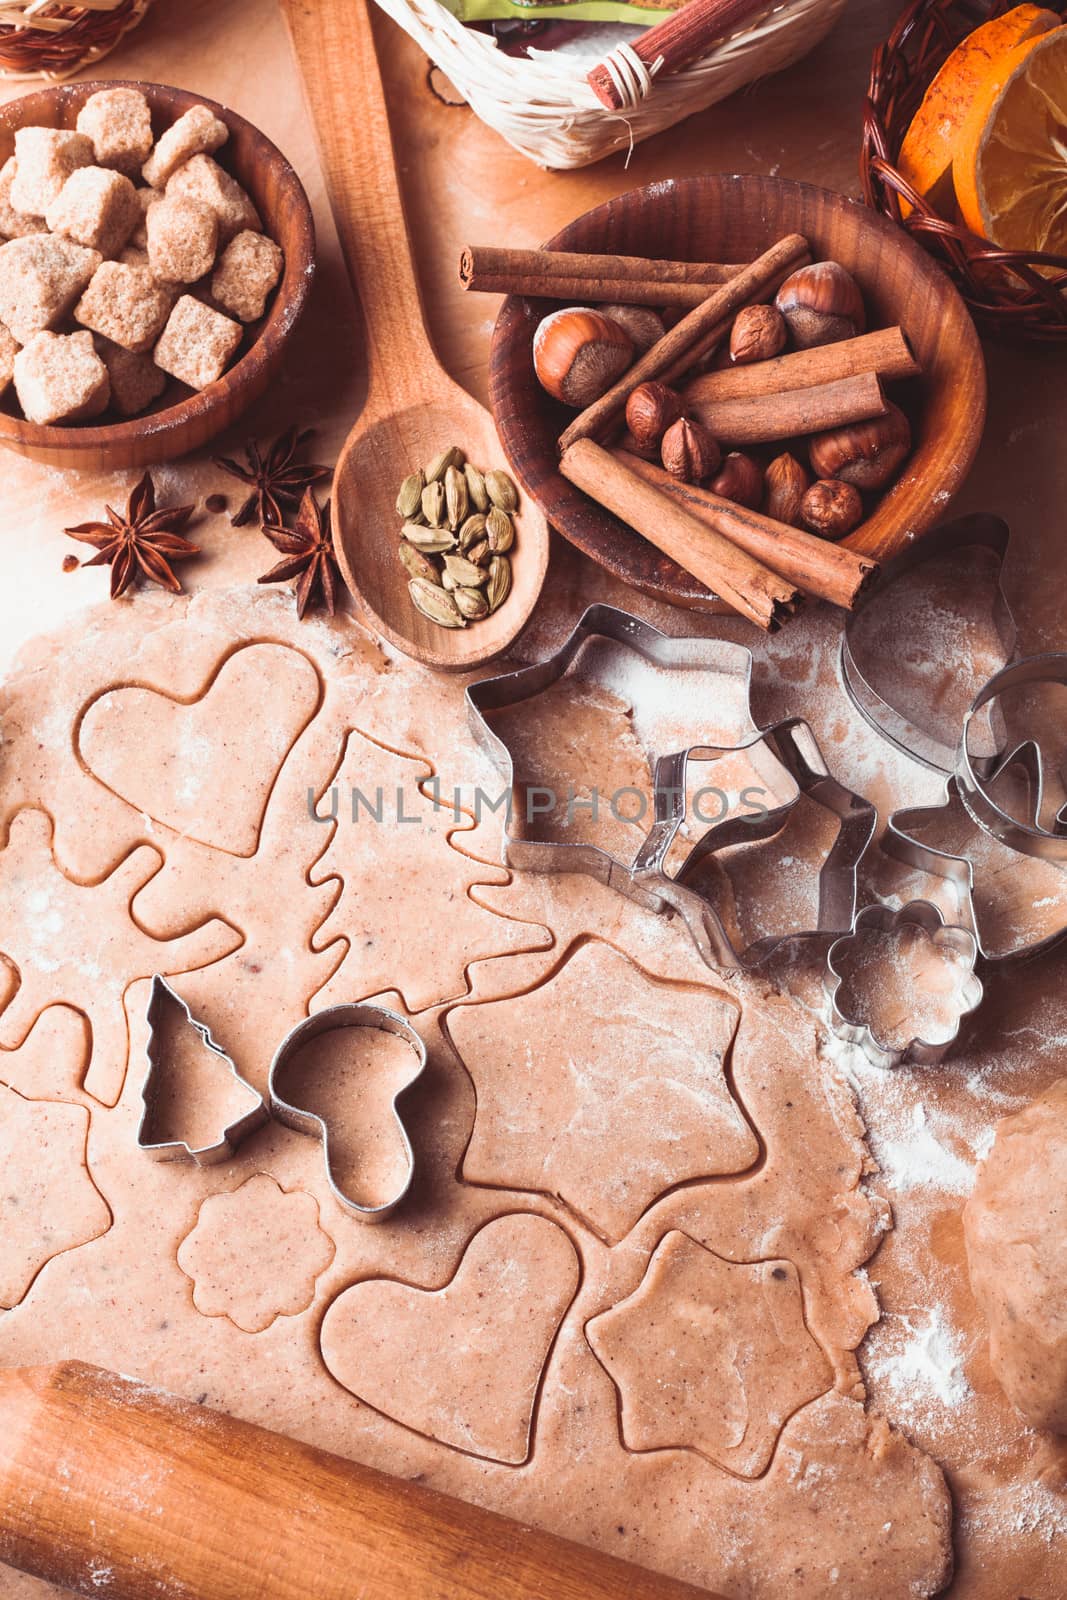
point(645, 878)
point(883, 919)
point(355, 1015)
point(162, 998)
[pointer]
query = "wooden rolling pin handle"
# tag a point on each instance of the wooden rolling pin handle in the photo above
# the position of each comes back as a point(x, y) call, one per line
point(109, 1487)
point(682, 37)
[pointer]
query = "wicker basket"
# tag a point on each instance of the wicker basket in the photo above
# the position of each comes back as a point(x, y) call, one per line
point(543, 106)
point(1009, 292)
point(42, 39)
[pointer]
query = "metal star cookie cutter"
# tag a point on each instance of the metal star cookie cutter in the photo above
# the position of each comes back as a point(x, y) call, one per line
point(162, 996)
point(978, 530)
point(975, 774)
point(644, 878)
point(885, 919)
point(361, 1014)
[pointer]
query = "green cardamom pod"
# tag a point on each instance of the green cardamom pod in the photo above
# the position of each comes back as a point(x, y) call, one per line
point(471, 603)
point(409, 498)
point(433, 602)
point(479, 553)
point(433, 503)
point(500, 531)
point(464, 573)
point(499, 582)
point(431, 541)
point(501, 491)
point(452, 457)
point(476, 488)
point(472, 531)
point(417, 564)
point(457, 499)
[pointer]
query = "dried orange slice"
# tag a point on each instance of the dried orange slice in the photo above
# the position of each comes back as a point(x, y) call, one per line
point(926, 155)
point(1010, 166)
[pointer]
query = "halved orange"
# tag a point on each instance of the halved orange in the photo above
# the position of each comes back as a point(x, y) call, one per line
point(926, 155)
point(1010, 165)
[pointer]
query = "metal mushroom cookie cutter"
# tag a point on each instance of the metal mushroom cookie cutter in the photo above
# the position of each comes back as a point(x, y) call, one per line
point(330, 1020)
point(979, 531)
point(163, 996)
point(644, 878)
point(975, 774)
point(885, 919)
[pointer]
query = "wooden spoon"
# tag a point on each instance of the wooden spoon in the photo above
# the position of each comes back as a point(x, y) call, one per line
point(413, 408)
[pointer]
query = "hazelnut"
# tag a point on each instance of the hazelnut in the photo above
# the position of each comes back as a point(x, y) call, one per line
point(865, 454)
point(689, 452)
point(644, 325)
point(741, 480)
point(758, 333)
point(650, 411)
point(786, 482)
point(578, 354)
point(822, 304)
point(831, 509)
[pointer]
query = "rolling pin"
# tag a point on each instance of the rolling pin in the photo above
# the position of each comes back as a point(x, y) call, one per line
point(111, 1488)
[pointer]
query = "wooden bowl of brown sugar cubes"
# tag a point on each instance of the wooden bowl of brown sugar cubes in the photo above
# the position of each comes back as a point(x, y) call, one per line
point(156, 251)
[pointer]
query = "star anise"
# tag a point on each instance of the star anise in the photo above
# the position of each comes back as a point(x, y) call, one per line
point(143, 542)
point(309, 557)
point(277, 479)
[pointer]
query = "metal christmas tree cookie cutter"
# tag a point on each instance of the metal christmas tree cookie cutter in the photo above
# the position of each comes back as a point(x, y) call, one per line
point(975, 774)
point(980, 531)
point(161, 997)
point(644, 877)
point(885, 919)
point(332, 1019)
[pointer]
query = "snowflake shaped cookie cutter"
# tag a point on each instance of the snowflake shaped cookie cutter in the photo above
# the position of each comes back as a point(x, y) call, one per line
point(644, 878)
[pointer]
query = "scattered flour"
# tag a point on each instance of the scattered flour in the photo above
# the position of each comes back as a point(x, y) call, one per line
point(928, 1366)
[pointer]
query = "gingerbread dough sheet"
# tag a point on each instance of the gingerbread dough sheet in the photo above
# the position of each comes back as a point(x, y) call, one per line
point(607, 1136)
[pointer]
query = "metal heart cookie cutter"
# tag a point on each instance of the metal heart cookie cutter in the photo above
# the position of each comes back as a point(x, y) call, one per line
point(644, 878)
point(162, 998)
point(332, 1019)
point(979, 531)
point(885, 919)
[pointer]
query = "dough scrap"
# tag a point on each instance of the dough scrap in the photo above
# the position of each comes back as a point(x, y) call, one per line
point(79, 944)
point(461, 1364)
point(604, 1086)
point(49, 1204)
point(1015, 1225)
point(256, 1253)
point(709, 1355)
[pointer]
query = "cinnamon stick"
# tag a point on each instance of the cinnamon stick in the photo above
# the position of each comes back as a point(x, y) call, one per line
point(583, 279)
point(885, 353)
point(681, 37)
point(758, 419)
point(824, 570)
point(696, 333)
point(745, 583)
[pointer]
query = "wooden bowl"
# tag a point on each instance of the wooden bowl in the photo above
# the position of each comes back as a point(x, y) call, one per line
point(181, 420)
point(722, 218)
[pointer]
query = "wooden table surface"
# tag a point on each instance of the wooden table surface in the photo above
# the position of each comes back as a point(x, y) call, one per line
point(463, 183)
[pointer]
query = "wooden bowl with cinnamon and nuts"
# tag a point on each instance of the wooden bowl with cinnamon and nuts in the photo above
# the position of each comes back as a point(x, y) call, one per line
point(734, 391)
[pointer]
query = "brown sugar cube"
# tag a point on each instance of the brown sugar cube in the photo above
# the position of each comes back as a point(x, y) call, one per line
point(182, 236)
point(125, 304)
point(119, 123)
point(13, 225)
point(40, 279)
point(204, 180)
point(44, 160)
point(197, 343)
point(198, 132)
point(60, 378)
point(135, 379)
point(8, 352)
point(145, 198)
point(248, 269)
point(96, 207)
